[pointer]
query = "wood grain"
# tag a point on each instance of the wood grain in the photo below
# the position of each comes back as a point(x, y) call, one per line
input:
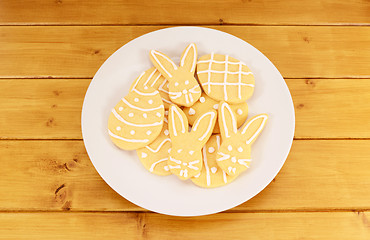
point(58, 175)
point(78, 51)
point(51, 108)
point(184, 12)
point(337, 225)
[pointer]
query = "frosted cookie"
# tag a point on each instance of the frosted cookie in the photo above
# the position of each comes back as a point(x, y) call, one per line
point(211, 175)
point(154, 157)
point(183, 88)
point(225, 78)
point(234, 155)
point(157, 81)
point(205, 103)
point(138, 118)
point(185, 156)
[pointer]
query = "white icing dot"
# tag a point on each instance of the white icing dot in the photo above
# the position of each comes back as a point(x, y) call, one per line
point(166, 168)
point(132, 132)
point(191, 152)
point(166, 113)
point(213, 169)
point(233, 159)
point(145, 87)
point(186, 82)
point(145, 115)
point(158, 114)
point(166, 132)
point(169, 150)
point(136, 99)
point(202, 99)
point(240, 149)
point(239, 111)
point(179, 151)
point(184, 164)
point(184, 91)
point(176, 84)
point(148, 132)
point(215, 106)
point(191, 111)
point(143, 155)
point(120, 108)
point(150, 101)
point(130, 114)
point(229, 148)
point(211, 149)
point(118, 128)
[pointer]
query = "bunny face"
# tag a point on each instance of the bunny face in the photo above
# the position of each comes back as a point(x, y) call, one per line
point(235, 151)
point(184, 89)
point(186, 158)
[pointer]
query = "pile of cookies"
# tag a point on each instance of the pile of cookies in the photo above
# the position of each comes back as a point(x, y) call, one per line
point(154, 118)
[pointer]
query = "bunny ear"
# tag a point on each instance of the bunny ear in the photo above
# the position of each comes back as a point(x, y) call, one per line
point(146, 77)
point(189, 58)
point(177, 121)
point(203, 126)
point(163, 63)
point(227, 120)
point(254, 127)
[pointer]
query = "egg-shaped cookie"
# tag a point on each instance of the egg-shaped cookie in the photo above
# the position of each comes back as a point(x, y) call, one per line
point(225, 78)
point(211, 175)
point(205, 103)
point(154, 157)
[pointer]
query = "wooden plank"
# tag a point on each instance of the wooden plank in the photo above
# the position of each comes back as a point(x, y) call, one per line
point(78, 51)
point(51, 108)
point(320, 225)
point(184, 12)
point(58, 175)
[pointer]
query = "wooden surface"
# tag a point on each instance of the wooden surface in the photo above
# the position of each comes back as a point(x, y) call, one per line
point(49, 51)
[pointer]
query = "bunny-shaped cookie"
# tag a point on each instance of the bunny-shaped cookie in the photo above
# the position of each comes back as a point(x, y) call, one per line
point(184, 89)
point(185, 156)
point(234, 155)
point(137, 119)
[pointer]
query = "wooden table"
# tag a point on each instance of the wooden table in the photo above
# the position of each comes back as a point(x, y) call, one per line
point(50, 50)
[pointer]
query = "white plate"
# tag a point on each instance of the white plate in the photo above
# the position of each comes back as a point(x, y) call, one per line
point(123, 171)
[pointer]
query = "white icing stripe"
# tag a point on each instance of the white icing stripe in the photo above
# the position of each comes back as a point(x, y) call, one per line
point(162, 85)
point(185, 55)
point(218, 141)
point(176, 94)
point(159, 146)
point(214, 71)
point(150, 77)
point(139, 108)
point(208, 177)
point(184, 172)
point(151, 169)
point(175, 160)
point(134, 124)
point(223, 117)
point(191, 97)
point(215, 61)
point(137, 80)
point(258, 130)
point(146, 94)
point(186, 98)
point(190, 165)
point(165, 100)
point(209, 125)
point(243, 162)
point(127, 140)
point(209, 73)
point(229, 84)
point(192, 90)
point(224, 176)
point(172, 167)
point(155, 80)
point(153, 52)
point(225, 77)
point(224, 156)
point(240, 79)
point(174, 110)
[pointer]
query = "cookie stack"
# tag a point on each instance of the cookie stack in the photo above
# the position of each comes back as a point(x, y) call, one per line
point(193, 129)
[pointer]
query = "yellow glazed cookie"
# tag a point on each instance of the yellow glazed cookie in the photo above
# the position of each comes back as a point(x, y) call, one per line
point(154, 157)
point(185, 156)
point(234, 155)
point(137, 119)
point(211, 175)
point(205, 103)
point(224, 78)
point(184, 89)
